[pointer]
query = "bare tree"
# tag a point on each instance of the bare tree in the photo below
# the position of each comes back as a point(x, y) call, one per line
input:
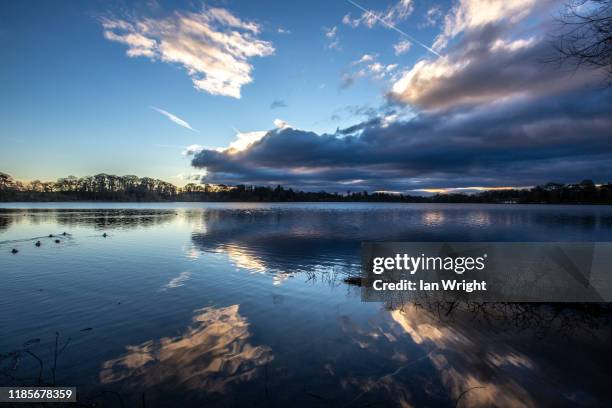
point(585, 35)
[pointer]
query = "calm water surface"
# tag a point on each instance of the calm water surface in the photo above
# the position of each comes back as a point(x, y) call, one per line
point(234, 304)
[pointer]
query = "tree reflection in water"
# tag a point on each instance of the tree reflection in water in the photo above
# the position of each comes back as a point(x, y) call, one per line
point(97, 218)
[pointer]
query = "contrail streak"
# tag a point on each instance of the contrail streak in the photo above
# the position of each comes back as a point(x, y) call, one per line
point(391, 26)
point(175, 119)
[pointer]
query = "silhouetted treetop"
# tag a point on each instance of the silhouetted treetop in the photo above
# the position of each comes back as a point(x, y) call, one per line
point(585, 34)
point(108, 187)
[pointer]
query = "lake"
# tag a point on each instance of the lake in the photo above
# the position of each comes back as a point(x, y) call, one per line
point(209, 304)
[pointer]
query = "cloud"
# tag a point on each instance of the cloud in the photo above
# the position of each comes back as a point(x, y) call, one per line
point(367, 66)
point(402, 47)
point(499, 55)
point(332, 36)
point(178, 281)
point(515, 143)
point(212, 355)
point(355, 111)
point(487, 113)
point(472, 189)
point(214, 46)
point(432, 17)
point(282, 30)
point(192, 149)
point(281, 124)
point(278, 103)
point(347, 80)
point(174, 118)
point(243, 141)
point(195, 176)
point(392, 15)
point(365, 58)
point(469, 15)
point(387, 20)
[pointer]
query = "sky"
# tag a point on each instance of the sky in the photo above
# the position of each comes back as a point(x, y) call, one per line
point(402, 95)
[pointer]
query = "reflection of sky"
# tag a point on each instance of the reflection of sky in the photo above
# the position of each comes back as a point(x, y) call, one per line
point(139, 287)
point(243, 259)
point(433, 218)
point(456, 354)
point(178, 281)
point(438, 359)
point(209, 356)
point(326, 238)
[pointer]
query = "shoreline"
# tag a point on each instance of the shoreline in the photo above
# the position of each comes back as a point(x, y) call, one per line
point(303, 202)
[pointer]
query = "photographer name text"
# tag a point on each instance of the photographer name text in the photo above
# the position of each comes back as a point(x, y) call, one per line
point(405, 263)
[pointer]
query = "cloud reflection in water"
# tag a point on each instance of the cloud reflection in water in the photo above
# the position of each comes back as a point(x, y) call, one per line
point(482, 356)
point(469, 368)
point(209, 356)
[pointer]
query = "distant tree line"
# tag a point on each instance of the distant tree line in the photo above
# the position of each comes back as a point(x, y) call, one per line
point(99, 187)
point(108, 187)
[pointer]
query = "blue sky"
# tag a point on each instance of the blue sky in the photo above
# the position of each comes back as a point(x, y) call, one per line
point(125, 88)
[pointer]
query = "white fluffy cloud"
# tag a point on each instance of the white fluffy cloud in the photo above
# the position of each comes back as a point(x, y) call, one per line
point(493, 52)
point(392, 15)
point(214, 46)
point(473, 14)
point(192, 149)
point(368, 66)
point(402, 47)
point(331, 33)
point(432, 17)
point(244, 140)
point(281, 124)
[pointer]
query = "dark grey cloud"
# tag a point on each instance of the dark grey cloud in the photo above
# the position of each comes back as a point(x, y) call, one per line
point(489, 111)
point(355, 112)
point(347, 81)
point(492, 62)
point(278, 103)
point(564, 137)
